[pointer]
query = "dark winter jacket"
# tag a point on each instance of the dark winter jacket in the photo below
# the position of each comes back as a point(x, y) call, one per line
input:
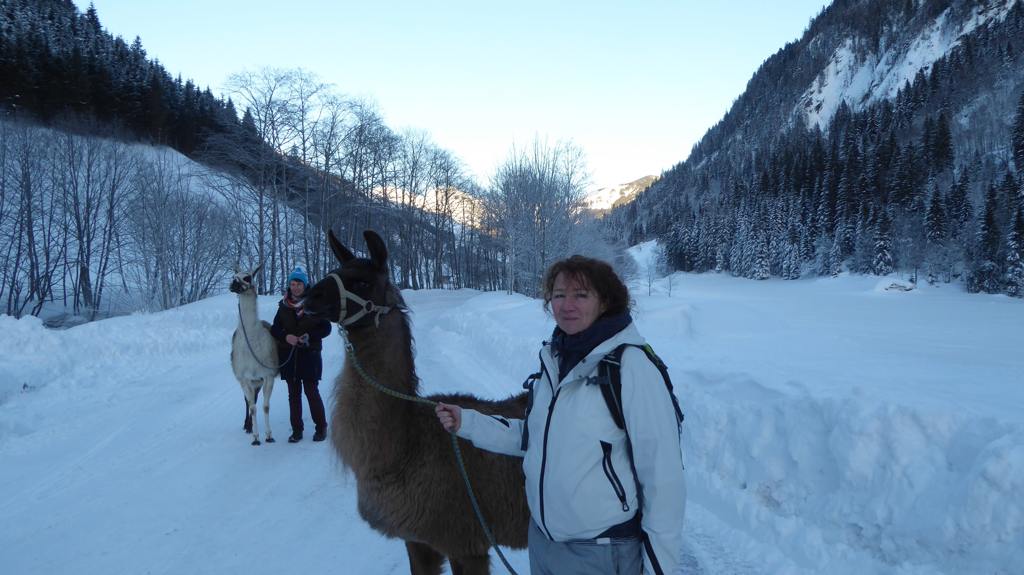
point(305, 362)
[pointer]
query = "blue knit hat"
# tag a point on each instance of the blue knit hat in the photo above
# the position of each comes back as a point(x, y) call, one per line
point(299, 273)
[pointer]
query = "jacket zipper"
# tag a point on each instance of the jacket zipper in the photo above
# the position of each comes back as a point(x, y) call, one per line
point(530, 385)
point(544, 459)
point(613, 478)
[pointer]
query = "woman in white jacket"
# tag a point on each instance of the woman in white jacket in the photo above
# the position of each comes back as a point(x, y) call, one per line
point(596, 507)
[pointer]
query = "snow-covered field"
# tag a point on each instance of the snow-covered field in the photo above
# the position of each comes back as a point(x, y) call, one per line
point(831, 426)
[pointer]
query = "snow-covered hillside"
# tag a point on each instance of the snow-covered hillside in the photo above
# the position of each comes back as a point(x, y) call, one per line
point(606, 198)
point(831, 426)
point(863, 78)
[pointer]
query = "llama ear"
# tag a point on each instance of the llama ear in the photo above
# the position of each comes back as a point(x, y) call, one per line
point(340, 251)
point(257, 270)
point(378, 251)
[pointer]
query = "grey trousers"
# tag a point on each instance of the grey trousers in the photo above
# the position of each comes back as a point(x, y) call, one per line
point(619, 557)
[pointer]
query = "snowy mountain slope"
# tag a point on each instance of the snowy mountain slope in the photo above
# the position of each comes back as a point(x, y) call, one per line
point(831, 426)
point(861, 77)
point(606, 198)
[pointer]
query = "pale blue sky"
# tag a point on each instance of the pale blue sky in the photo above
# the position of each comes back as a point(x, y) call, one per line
point(634, 83)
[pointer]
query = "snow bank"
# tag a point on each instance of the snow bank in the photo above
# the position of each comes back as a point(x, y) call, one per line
point(832, 425)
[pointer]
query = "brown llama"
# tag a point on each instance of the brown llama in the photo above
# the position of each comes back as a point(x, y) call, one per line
point(408, 481)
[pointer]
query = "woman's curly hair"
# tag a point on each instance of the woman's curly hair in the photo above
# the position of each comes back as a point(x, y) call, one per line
point(596, 275)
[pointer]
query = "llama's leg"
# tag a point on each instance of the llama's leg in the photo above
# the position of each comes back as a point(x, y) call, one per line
point(247, 426)
point(476, 565)
point(268, 388)
point(423, 560)
point(251, 391)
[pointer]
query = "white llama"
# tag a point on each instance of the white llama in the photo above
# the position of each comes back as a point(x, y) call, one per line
point(253, 353)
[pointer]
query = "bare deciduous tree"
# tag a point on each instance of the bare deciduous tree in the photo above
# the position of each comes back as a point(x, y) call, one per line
point(92, 180)
point(181, 235)
point(536, 204)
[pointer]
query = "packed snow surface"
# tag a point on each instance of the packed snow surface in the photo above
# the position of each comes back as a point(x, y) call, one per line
point(832, 425)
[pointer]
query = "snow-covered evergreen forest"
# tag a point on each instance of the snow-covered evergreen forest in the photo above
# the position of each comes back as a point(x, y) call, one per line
point(889, 138)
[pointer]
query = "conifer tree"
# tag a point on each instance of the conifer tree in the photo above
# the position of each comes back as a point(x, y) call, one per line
point(959, 211)
point(823, 256)
point(936, 249)
point(791, 265)
point(989, 234)
point(864, 251)
point(903, 177)
point(1007, 198)
point(1015, 256)
point(936, 218)
point(835, 256)
point(883, 263)
point(738, 252)
point(942, 145)
point(760, 269)
point(928, 142)
point(986, 276)
point(846, 234)
point(1018, 136)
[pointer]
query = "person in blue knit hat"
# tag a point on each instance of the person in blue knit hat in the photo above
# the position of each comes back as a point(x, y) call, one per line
point(299, 342)
point(299, 274)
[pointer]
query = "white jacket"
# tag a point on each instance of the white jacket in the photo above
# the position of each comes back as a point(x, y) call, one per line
point(578, 477)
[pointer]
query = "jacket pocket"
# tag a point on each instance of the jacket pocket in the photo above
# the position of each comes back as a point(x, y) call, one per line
point(613, 478)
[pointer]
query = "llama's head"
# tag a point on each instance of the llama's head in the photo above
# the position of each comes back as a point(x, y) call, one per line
point(361, 285)
point(244, 281)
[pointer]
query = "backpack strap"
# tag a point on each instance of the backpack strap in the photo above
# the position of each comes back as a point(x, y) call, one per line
point(610, 377)
point(528, 385)
point(668, 380)
point(609, 373)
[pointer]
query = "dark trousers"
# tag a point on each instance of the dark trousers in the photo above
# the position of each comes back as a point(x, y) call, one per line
point(316, 405)
point(592, 557)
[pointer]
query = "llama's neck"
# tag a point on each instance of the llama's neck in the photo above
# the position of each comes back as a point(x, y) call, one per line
point(377, 423)
point(385, 351)
point(247, 309)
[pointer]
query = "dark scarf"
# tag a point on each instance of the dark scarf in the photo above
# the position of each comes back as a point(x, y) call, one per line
point(293, 304)
point(570, 349)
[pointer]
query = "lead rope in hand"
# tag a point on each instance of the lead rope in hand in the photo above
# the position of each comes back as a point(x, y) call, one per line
point(351, 352)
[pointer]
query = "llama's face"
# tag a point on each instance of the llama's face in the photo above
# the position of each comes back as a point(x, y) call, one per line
point(244, 281)
point(365, 278)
